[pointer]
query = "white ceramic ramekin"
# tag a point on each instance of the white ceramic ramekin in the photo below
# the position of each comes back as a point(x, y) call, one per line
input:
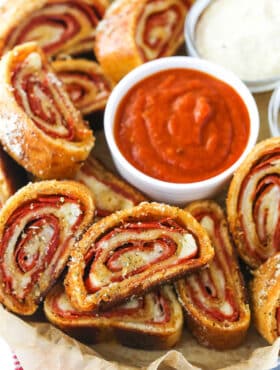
point(165, 191)
point(192, 18)
point(274, 113)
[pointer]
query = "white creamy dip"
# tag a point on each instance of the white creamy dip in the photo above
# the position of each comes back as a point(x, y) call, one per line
point(242, 35)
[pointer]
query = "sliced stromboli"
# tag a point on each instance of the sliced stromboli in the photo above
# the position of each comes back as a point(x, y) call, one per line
point(153, 321)
point(39, 125)
point(12, 177)
point(135, 31)
point(58, 26)
point(85, 83)
point(111, 193)
point(38, 227)
point(265, 297)
point(214, 298)
point(253, 203)
point(132, 251)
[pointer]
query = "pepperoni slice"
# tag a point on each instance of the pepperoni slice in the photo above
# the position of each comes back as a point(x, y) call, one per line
point(110, 192)
point(131, 251)
point(85, 83)
point(253, 204)
point(58, 26)
point(214, 299)
point(38, 228)
point(154, 320)
point(40, 127)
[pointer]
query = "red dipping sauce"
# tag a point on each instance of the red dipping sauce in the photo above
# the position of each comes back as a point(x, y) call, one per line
point(182, 126)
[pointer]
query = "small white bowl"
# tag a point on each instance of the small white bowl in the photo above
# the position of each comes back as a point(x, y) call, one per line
point(168, 192)
point(274, 113)
point(255, 86)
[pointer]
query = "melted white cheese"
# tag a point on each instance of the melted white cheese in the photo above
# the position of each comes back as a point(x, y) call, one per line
point(252, 229)
point(133, 303)
point(33, 61)
point(134, 259)
point(226, 309)
point(208, 224)
point(71, 212)
point(160, 34)
point(63, 303)
point(186, 245)
point(68, 214)
point(106, 198)
point(158, 313)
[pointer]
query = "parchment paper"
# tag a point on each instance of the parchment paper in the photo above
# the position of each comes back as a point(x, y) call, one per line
point(41, 346)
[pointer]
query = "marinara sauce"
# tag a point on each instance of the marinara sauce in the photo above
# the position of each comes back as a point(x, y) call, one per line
point(181, 126)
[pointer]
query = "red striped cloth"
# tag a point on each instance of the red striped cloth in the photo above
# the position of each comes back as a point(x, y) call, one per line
point(8, 359)
point(17, 363)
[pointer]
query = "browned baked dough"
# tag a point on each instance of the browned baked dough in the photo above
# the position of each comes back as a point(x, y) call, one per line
point(154, 321)
point(214, 298)
point(135, 31)
point(85, 83)
point(12, 177)
point(132, 251)
point(265, 296)
point(110, 192)
point(38, 227)
point(253, 203)
point(39, 126)
point(58, 26)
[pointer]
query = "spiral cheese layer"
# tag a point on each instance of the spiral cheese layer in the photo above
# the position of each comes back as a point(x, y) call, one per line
point(35, 237)
point(111, 194)
point(59, 26)
point(265, 298)
point(213, 290)
point(258, 207)
point(160, 27)
point(133, 247)
point(85, 83)
point(153, 308)
point(38, 91)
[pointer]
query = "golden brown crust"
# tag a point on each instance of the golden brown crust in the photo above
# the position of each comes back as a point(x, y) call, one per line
point(193, 248)
point(119, 35)
point(115, 47)
point(38, 227)
point(22, 13)
point(134, 327)
point(217, 314)
point(252, 203)
point(35, 149)
point(111, 193)
point(85, 82)
point(265, 296)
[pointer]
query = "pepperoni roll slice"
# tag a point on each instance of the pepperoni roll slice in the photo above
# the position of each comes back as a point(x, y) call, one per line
point(85, 83)
point(253, 204)
point(153, 321)
point(39, 126)
point(110, 193)
point(131, 251)
point(214, 298)
point(12, 177)
point(58, 26)
point(38, 227)
point(135, 31)
point(265, 297)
